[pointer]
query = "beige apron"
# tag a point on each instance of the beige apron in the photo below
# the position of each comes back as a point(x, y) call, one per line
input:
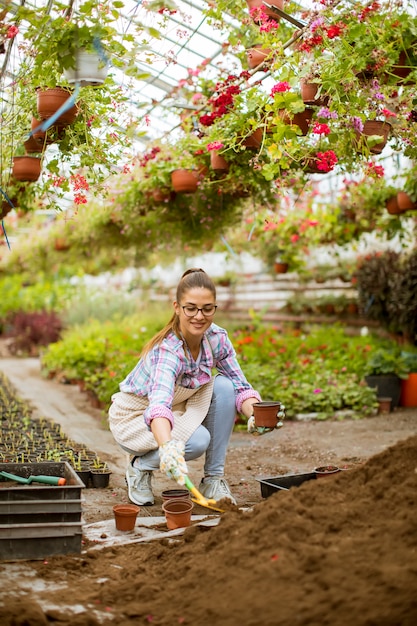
point(126, 421)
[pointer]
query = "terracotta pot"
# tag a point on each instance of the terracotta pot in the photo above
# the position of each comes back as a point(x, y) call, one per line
point(402, 69)
point(61, 243)
point(5, 209)
point(33, 145)
point(327, 470)
point(280, 268)
point(184, 181)
point(161, 195)
point(311, 166)
point(218, 163)
point(177, 513)
point(409, 390)
point(404, 202)
point(384, 405)
point(309, 94)
point(301, 119)
point(39, 135)
point(125, 516)
point(392, 206)
point(50, 100)
point(256, 4)
point(254, 141)
point(89, 69)
point(175, 494)
point(374, 127)
point(26, 168)
point(258, 56)
point(266, 414)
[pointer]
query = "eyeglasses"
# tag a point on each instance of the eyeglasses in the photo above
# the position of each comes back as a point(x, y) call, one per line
point(208, 310)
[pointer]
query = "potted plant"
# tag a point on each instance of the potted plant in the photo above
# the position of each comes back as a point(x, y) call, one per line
point(409, 384)
point(384, 371)
point(60, 41)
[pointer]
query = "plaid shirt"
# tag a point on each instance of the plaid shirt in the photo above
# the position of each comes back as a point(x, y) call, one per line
point(170, 363)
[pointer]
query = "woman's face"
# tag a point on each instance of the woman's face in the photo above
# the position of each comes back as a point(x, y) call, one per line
point(193, 322)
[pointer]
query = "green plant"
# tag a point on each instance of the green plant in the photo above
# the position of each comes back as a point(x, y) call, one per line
point(386, 362)
point(375, 277)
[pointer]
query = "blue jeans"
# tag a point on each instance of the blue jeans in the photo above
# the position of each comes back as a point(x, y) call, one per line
point(211, 437)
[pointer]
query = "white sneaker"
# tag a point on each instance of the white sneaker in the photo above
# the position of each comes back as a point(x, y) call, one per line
point(216, 487)
point(139, 484)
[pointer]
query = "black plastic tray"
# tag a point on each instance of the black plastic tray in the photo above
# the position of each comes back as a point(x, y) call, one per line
point(283, 483)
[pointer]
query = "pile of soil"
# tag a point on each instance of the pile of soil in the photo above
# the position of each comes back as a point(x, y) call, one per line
point(338, 550)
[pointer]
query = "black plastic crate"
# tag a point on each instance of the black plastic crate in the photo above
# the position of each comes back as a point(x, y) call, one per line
point(38, 520)
point(283, 483)
point(10, 490)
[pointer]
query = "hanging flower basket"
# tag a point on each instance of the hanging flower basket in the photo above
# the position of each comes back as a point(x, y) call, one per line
point(301, 119)
point(309, 93)
point(259, 56)
point(373, 128)
point(254, 141)
point(33, 146)
point(50, 100)
point(392, 206)
point(404, 202)
point(26, 168)
point(218, 163)
point(185, 181)
point(402, 69)
point(89, 70)
point(280, 267)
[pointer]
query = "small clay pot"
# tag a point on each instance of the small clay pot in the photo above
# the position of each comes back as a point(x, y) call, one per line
point(175, 494)
point(384, 405)
point(327, 470)
point(125, 516)
point(266, 414)
point(177, 513)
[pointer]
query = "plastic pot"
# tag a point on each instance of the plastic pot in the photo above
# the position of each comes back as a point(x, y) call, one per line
point(125, 516)
point(326, 470)
point(177, 513)
point(266, 414)
point(175, 494)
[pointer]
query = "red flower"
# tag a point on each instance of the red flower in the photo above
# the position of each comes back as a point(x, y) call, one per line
point(321, 129)
point(280, 87)
point(326, 160)
point(12, 32)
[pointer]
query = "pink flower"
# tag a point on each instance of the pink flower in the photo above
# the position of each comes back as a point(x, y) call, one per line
point(12, 32)
point(215, 145)
point(294, 238)
point(388, 113)
point(318, 391)
point(280, 88)
point(270, 226)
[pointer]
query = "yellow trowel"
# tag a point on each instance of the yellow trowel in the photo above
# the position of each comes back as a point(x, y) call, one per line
point(199, 498)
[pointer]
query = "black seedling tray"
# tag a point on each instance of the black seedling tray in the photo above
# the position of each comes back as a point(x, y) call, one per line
point(283, 483)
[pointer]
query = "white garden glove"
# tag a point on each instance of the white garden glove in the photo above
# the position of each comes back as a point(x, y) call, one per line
point(261, 430)
point(172, 462)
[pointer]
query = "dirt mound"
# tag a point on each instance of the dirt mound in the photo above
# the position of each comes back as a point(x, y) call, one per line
point(339, 550)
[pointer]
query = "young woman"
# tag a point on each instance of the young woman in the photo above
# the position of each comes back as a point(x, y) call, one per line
point(171, 408)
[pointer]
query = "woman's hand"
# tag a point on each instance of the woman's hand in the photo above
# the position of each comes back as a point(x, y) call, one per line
point(172, 462)
point(247, 406)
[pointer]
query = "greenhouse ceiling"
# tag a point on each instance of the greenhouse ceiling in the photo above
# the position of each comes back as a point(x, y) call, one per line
point(186, 44)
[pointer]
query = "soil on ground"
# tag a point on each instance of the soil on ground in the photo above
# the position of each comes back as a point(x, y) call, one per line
point(335, 551)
